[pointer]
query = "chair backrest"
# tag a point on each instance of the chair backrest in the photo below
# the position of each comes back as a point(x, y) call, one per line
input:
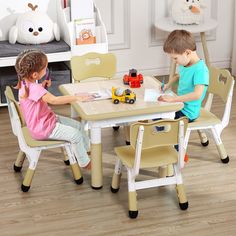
point(14, 113)
point(10, 98)
point(93, 66)
point(221, 82)
point(146, 135)
point(167, 136)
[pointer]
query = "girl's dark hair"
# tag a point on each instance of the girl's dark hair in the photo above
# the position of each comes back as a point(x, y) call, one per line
point(179, 41)
point(28, 62)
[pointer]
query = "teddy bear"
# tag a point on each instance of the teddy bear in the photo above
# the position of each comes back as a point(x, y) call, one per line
point(33, 27)
point(187, 12)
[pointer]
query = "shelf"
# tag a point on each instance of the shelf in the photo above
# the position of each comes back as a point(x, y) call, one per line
point(67, 30)
point(68, 34)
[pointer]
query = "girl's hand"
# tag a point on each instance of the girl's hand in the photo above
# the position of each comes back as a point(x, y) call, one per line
point(46, 83)
point(85, 98)
point(167, 98)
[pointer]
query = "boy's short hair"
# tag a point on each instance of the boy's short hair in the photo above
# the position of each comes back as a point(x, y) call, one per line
point(179, 41)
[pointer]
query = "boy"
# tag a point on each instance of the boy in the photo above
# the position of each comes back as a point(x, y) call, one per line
point(193, 74)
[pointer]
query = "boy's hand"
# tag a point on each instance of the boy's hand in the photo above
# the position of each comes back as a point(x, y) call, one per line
point(46, 83)
point(164, 88)
point(166, 98)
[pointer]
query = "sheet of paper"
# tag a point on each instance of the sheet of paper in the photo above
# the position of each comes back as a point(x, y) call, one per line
point(151, 95)
point(97, 95)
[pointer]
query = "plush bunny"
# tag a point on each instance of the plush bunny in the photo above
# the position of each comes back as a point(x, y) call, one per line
point(187, 11)
point(33, 27)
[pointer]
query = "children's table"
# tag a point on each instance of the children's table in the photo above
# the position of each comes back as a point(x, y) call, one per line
point(104, 113)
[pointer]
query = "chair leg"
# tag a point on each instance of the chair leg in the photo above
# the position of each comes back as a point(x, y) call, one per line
point(27, 180)
point(183, 202)
point(127, 134)
point(77, 173)
point(115, 185)
point(203, 138)
point(162, 171)
point(116, 128)
point(220, 147)
point(133, 206)
point(132, 195)
point(165, 171)
point(19, 161)
point(74, 166)
point(33, 157)
point(170, 171)
point(66, 158)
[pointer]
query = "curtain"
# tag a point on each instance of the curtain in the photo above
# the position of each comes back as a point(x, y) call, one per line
point(233, 65)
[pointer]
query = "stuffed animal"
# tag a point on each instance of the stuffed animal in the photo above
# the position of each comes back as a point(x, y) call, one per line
point(33, 27)
point(187, 12)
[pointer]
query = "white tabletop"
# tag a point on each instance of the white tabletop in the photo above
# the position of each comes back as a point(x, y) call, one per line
point(167, 24)
point(106, 109)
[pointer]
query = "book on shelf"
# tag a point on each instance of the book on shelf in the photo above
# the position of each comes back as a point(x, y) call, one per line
point(85, 31)
point(81, 9)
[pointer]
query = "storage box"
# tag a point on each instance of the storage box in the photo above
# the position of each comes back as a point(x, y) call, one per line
point(8, 77)
point(60, 74)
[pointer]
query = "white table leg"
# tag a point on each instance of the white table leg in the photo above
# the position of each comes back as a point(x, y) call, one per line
point(96, 158)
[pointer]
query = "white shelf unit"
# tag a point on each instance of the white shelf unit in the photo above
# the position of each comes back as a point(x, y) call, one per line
point(68, 35)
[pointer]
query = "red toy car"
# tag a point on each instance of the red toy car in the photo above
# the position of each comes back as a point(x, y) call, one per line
point(134, 80)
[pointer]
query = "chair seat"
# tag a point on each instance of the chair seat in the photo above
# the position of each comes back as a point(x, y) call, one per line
point(206, 118)
point(152, 157)
point(38, 143)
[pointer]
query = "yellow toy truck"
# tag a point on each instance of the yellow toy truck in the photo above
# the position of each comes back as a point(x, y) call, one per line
point(120, 95)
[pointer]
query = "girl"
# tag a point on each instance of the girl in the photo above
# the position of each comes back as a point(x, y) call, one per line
point(41, 121)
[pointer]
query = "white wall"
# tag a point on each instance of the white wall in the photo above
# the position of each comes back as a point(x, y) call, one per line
point(132, 37)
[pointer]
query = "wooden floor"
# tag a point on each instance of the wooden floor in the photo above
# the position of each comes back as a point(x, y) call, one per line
point(55, 205)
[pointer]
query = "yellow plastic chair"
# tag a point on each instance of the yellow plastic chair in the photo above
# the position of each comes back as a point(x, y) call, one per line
point(32, 148)
point(93, 66)
point(21, 155)
point(150, 149)
point(221, 84)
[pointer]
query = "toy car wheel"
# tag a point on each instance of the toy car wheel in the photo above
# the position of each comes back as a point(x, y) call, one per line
point(116, 101)
point(131, 101)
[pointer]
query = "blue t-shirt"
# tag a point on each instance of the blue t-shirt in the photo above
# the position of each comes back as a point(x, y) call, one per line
point(196, 74)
